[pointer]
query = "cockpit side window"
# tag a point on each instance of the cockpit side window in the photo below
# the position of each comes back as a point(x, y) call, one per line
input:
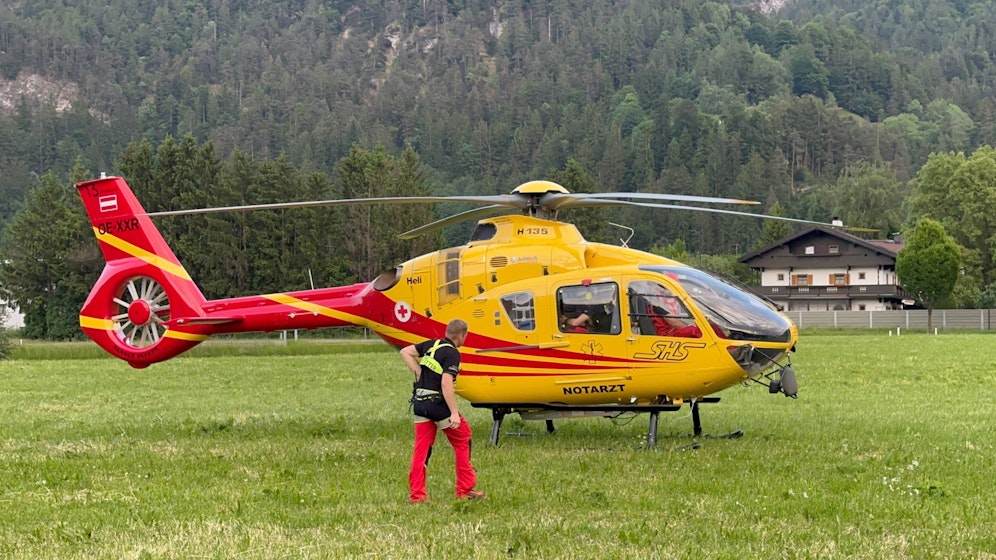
point(732, 312)
point(589, 308)
point(655, 310)
point(520, 310)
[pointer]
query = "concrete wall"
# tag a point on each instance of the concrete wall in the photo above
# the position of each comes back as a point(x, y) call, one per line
point(943, 319)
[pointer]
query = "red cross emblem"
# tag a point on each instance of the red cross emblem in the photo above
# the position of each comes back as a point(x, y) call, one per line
point(402, 311)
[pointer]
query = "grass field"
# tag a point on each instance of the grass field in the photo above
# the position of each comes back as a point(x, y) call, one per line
point(887, 453)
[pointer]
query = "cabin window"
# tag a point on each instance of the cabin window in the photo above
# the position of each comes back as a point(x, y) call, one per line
point(861, 276)
point(520, 310)
point(833, 249)
point(839, 279)
point(781, 277)
point(589, 308)
point(448, 276)
point(810, 249)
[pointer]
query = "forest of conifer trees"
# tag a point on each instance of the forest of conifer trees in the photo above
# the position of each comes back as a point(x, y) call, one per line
point(826, 108)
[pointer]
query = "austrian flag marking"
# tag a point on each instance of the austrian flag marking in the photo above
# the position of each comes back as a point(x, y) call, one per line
point(109, 203)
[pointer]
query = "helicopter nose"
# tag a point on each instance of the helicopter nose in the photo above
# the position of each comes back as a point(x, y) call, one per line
point(755, 360)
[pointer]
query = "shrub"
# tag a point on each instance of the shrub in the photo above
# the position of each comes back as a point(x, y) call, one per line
point(6, 345)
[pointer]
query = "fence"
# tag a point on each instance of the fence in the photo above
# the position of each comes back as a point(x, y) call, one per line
point(942, 319)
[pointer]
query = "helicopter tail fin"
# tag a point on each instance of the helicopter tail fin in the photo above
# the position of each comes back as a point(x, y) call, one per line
point(144, 308)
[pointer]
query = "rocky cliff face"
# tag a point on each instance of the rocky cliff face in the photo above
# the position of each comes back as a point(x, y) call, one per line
point(36, 90)
point(770, 6)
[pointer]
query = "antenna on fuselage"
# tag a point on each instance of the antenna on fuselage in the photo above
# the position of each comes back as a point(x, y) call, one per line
point(631, 232)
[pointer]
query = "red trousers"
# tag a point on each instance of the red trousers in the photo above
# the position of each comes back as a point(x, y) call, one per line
point(425, 436)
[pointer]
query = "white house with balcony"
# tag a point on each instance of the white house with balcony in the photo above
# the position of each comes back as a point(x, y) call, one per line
point(822, 268)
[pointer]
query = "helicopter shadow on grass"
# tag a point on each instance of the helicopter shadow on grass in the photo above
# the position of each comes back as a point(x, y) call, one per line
point(584, 432)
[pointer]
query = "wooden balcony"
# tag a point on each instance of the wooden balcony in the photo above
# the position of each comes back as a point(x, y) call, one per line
point(830, 292)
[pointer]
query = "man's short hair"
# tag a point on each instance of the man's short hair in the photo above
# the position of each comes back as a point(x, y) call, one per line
point(456, 327)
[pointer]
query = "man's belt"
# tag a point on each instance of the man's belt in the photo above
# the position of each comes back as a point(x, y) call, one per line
point(423, 395)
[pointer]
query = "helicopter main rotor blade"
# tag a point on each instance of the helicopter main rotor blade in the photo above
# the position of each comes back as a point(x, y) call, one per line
point(473, 215)
point(500, 200)
point(717, 211)
point(558, 201)
point(602, 202)
point(450, 220)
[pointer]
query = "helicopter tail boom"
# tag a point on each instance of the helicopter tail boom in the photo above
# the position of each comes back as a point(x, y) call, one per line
point(145, 308)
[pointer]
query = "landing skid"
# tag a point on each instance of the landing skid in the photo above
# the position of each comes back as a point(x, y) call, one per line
point(549, 411)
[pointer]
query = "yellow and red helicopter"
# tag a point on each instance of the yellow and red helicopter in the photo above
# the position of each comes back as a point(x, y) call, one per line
point(559, 326)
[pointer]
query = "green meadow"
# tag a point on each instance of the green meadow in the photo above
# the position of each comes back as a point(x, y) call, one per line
point(301, 451)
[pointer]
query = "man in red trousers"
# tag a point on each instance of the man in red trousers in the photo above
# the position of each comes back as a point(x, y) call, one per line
point(436, 364)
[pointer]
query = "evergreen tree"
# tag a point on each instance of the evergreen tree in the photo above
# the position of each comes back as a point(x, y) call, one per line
point(773, 230)
point(870, 197)
point(50, 260)
point(368, 231)
point(589, 221)
point(699, 96)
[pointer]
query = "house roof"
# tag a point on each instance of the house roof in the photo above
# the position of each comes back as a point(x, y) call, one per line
point(889, 246)
point(883, 246)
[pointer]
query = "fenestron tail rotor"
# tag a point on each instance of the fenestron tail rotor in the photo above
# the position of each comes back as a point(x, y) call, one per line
point(141, 312)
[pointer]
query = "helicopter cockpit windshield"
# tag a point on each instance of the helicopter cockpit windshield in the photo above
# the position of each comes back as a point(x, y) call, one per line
point(741, 315)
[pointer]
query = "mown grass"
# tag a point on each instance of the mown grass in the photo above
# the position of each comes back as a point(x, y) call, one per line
point(216, 347)
point(888, 453)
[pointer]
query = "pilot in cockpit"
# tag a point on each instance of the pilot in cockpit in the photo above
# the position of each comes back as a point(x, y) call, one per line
point(656, 310)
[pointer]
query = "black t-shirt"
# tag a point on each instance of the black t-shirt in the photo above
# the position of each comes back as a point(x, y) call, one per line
point(447, 356)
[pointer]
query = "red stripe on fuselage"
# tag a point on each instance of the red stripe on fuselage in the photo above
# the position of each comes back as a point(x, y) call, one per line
point(545, 368)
